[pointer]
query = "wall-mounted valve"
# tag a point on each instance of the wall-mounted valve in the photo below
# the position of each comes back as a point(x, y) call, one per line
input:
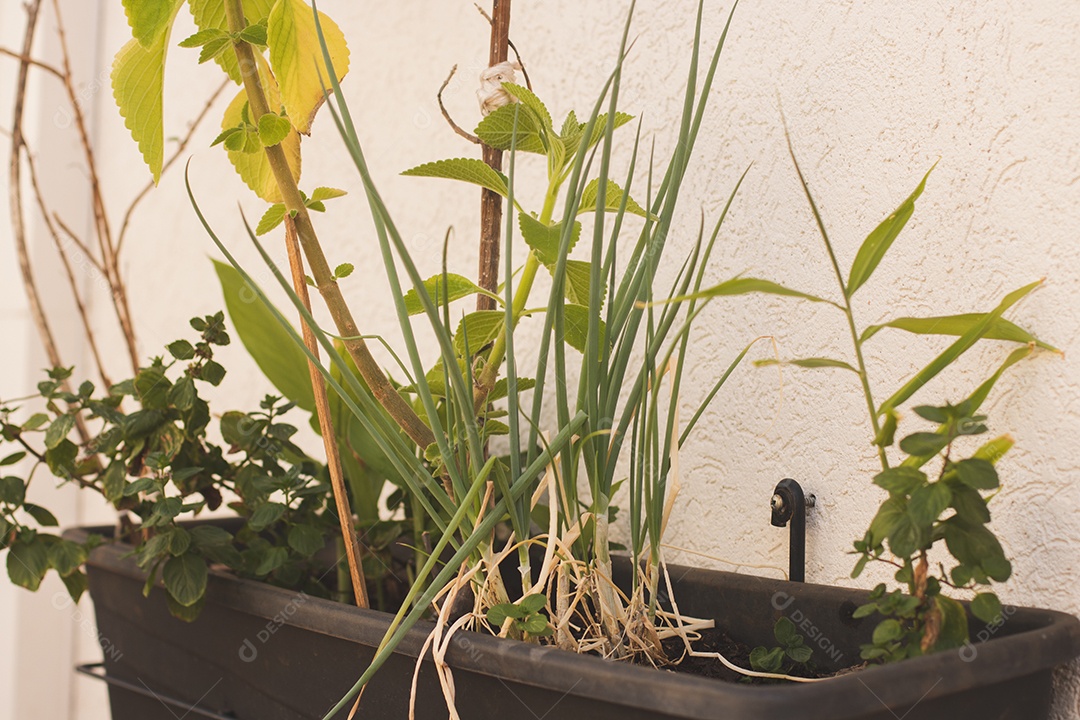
point(789, 505)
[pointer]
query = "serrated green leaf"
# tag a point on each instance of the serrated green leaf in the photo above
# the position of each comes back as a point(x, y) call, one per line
point(887, 631)
point(210, 14)
point(496, 615)
point(185, 578)
point(181, 349)
point(501, 388)
point(576, 326)
point(343, 270)
point(65, 556)
point(297, 59)
point(12, 490)
point(532, 603)
point(878, 242)
point(326, 193)
point(600, 126)
point(202, 37)
point(468, 170)
point(900, 480)
point(281, 361)
point(457, 287)
point(1000, 328)
point(61, 427)
point(274, 216)
point(482, 327)
point(497, 130)
point(612, 201)
point(27, 563)
point(578, 282)
point(529, 99)
point(924, 443)
point(138, 80)
point(265, 516)
point(976, 473)
point(306, 540)
point(273, 129)
point(149, 18)
point(214, 48)
point(253, 167)
point(986, 607)
point(784, 631)
point(928, 502)
point(545, 240)
point(536, 624)
point(254, 34)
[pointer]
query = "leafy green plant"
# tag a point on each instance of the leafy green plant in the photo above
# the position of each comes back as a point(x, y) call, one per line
point(155, 465)
point(790, 651)
point(526, 620)
point(911, 522)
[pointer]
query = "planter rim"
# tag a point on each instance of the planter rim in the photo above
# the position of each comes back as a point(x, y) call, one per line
point(1002, 657)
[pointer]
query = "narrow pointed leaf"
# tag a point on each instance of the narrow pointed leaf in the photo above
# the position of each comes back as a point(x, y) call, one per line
point(747, 286)
point(1000, 328)
point(958, 348)
point(816, 362)
point(878, 242)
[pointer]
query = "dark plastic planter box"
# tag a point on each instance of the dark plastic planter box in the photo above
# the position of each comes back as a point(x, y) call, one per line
point(263, 653)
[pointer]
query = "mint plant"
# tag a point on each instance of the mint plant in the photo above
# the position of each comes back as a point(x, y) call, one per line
point(156, 466)
point(790, 651)
point(526, 619)
point(922, 512)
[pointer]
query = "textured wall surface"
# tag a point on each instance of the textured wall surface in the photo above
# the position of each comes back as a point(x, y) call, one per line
point(873, 93)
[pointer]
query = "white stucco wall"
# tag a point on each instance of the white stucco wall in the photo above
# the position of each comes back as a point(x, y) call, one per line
point(874, 93)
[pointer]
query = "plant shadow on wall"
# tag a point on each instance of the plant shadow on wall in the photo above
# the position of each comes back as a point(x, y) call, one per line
point(504, 476)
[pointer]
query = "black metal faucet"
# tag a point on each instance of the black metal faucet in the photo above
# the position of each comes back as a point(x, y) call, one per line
point(789, 504)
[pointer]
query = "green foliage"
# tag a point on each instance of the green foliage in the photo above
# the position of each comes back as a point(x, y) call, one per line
point(155, 465)
point(526, 617)
point(921, 513)
point(790, 651)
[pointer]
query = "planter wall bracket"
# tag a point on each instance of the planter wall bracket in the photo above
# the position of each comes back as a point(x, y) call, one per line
point(789, 504)
point(91, 670)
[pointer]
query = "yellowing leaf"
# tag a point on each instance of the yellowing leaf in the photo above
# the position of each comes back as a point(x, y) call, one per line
point(210, 14)
point(254, 168)
point(148, 18)
point(138, 82)
point(297, 58)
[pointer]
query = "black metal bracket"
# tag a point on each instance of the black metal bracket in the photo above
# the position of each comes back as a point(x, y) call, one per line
point(90, 669)
point(789, 506)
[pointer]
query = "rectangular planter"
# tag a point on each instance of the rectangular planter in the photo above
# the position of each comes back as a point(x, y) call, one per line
point(261, 652)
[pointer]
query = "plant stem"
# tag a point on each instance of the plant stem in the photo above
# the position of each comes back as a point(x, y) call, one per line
point(326, 427)
point(486, 380)
point(381, 389)
point(491, 202)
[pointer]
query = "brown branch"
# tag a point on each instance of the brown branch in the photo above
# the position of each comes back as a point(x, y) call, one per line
point(31, 61)
point(78, 242)
point(101, 220)
point(18, 222)
point(491, 202)
point(79, 304)
point(168, 163)
point(446, 114)
point(510, 43)
point(326, 426)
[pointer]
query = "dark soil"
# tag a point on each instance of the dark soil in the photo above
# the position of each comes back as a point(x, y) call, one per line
point(738, 653)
